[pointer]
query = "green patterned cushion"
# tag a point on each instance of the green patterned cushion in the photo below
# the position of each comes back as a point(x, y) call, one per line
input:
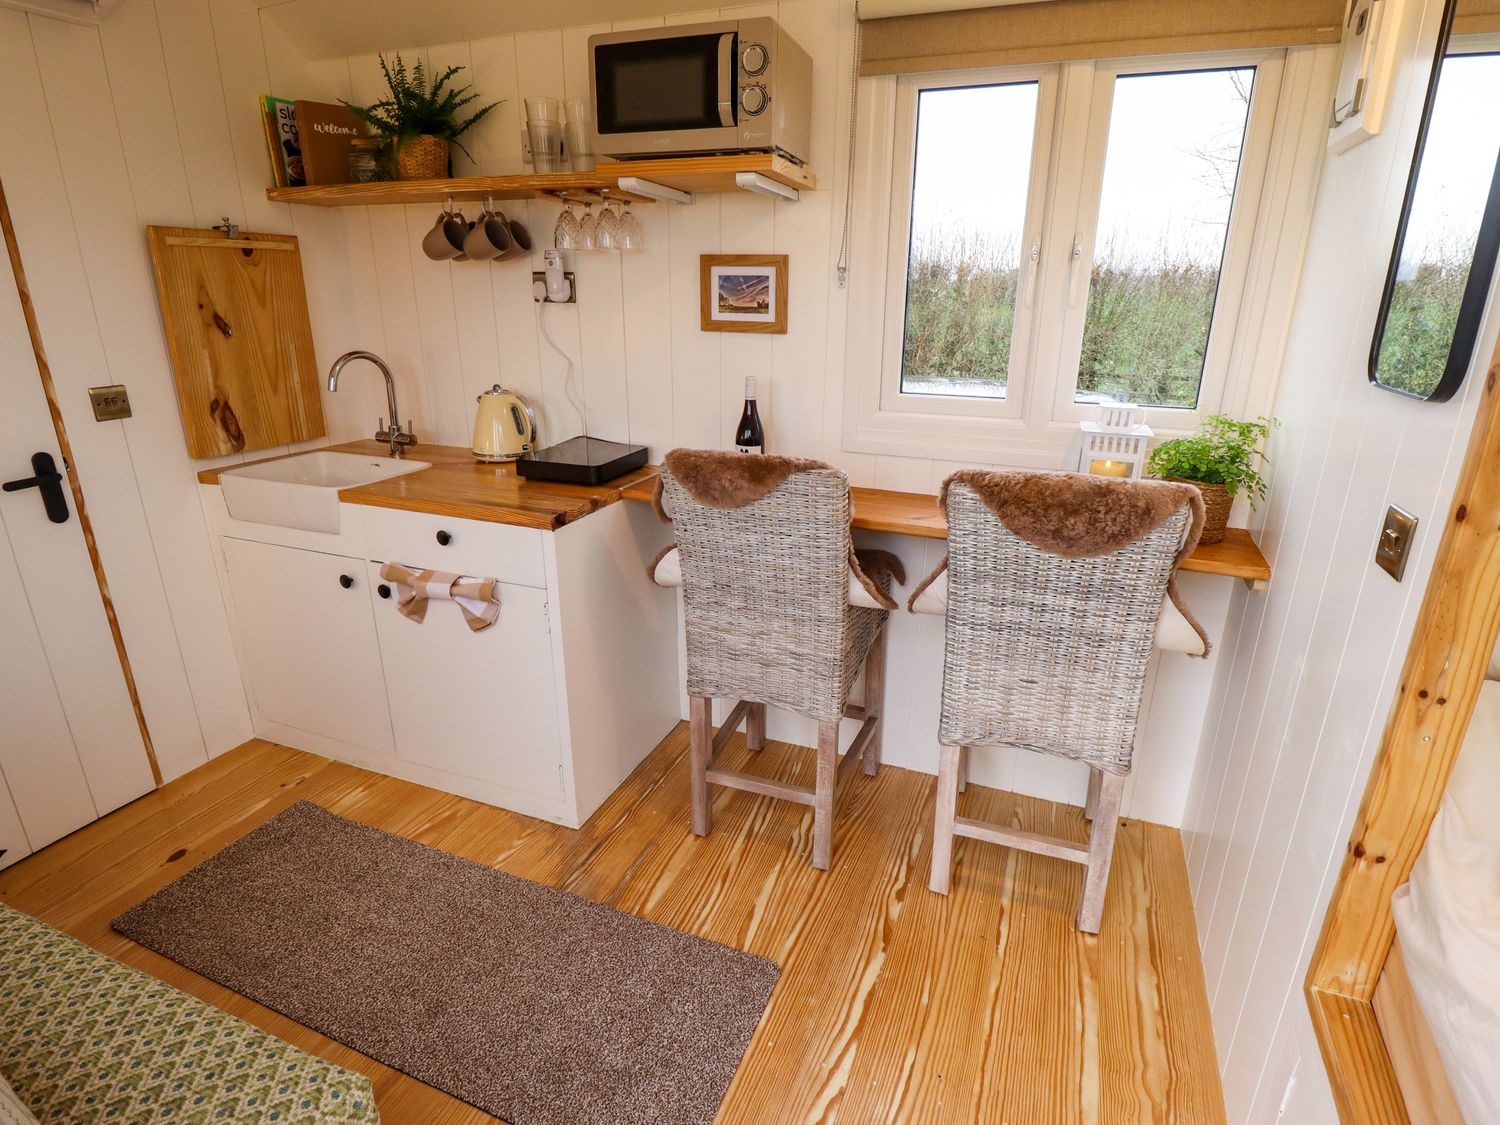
point(86, 1039)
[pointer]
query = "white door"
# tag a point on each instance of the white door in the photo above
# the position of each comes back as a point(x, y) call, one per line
point(70, 746)
point(308, 639)
point(478, 705)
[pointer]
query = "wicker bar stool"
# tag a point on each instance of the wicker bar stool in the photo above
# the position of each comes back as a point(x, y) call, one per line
point(768, 575)
point(1047, 651)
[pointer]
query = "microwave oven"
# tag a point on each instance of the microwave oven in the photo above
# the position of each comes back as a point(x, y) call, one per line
point(732, 86)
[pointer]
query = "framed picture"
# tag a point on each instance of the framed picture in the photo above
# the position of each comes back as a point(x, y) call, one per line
point(742, 292)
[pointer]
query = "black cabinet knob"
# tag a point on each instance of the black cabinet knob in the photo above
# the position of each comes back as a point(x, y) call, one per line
point(444, 538)
point(346, 581)
point(383, 590)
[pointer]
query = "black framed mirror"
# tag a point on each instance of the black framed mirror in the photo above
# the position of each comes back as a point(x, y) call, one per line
point(1449, 236)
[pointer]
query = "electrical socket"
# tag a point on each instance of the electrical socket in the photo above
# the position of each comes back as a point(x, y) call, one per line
point(539, 288)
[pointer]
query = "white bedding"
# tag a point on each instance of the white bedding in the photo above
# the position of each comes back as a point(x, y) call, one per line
point(1448, 916)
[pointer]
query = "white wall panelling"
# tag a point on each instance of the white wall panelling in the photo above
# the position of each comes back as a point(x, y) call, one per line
point(1308, 670)
point(162, 98)
point(151, 118)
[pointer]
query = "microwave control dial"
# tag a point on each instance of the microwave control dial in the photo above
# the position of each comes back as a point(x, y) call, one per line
point(754, 99)
point(754, 59)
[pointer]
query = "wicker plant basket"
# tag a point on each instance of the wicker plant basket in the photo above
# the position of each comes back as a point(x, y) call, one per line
point(1216, 504)
point(425, 158)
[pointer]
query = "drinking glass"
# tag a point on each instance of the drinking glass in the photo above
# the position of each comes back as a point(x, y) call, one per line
point(588, 229)
point(607, 234)
point(565, 234)
point(632, 237)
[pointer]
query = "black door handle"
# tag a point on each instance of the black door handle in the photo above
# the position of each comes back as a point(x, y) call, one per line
point(49, 481)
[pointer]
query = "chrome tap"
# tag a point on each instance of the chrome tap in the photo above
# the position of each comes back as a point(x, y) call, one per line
point(398, 438)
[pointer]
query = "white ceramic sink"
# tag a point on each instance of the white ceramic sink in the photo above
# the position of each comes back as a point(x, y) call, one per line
point(302, 491)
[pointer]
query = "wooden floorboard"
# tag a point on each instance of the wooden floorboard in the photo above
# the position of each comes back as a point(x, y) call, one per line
point(896, 1006)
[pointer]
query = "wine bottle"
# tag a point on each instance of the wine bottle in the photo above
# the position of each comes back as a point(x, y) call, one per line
point(750, 436)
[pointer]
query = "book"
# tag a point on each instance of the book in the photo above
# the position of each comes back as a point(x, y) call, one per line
point(273, 148)
point(287, 147)
point(325, 132)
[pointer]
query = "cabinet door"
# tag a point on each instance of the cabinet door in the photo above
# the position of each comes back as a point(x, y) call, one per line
point(308, 636)
point(480, 705)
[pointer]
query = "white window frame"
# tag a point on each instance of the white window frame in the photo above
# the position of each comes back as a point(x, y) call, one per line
point(908, 91)
point(1238, 242)
point(1036, 424)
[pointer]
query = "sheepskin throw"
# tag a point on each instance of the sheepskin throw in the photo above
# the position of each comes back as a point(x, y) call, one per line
point(1077, 516)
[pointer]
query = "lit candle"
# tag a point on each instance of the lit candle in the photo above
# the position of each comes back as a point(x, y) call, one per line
point(1109, 468)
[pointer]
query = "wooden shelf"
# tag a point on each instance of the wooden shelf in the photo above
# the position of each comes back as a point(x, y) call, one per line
point(917, 513)
point(704, 174)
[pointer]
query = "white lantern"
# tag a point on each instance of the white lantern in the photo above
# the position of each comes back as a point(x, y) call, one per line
point(1115, 443)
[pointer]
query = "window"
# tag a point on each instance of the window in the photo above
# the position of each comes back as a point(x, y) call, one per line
point(1175, 142)
point(1054, 237)
point(965, 247)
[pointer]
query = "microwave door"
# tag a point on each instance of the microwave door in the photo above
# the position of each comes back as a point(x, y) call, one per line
point(676, 93)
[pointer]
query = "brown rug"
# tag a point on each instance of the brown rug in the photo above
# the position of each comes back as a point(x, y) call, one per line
point(534, 1005)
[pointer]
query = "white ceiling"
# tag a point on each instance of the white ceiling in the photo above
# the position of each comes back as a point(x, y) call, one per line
point(333, 28)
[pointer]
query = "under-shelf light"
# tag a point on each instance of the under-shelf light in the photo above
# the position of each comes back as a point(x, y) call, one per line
point(652, 190)
point(764, 185)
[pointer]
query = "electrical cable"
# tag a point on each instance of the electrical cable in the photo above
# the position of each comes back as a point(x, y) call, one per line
point(568, 380)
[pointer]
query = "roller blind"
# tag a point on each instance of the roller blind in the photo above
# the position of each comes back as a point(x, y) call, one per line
point(1059, 30)
point(1477, 17)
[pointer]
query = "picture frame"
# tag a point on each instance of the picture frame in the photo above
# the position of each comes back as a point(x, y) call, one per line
point(742, 293)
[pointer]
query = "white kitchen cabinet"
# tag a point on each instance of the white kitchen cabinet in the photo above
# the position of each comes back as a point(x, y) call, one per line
point(307, 640)
point(476, 704)
point(545, 712)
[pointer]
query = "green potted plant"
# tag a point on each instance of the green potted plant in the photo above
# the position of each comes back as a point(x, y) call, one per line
point(1222, 458)
point(419, 121)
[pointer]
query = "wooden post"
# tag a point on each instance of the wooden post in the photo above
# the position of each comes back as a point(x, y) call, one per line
point(875, 698)
point(828, 761)
point(700, 750)
point(1101, 851)
point(1091, 802)
point(945, 811)
point(755, 727)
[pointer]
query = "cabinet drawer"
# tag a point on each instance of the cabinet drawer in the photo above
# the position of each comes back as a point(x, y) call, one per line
point(483, 550)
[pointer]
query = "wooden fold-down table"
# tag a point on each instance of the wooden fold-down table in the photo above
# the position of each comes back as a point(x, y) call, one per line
point(917, 513)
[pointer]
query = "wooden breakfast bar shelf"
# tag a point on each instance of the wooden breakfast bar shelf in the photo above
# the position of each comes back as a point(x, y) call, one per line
point(917, 513)
point(702, 174)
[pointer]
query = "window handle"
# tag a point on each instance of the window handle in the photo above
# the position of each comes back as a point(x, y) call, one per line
point(1033, 259)
point(1075, 269)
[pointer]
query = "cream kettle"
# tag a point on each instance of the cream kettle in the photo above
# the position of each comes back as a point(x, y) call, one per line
point(504, 426)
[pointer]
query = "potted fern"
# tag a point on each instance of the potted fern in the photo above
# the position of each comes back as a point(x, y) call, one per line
point(419, 121)
point(1222, 458)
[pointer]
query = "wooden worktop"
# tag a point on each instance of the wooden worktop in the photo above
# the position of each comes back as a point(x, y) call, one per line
point(459, 486)
point(917, 513)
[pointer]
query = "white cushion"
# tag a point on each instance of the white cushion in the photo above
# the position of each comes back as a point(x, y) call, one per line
point(1173, 631)
point(668, 572)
